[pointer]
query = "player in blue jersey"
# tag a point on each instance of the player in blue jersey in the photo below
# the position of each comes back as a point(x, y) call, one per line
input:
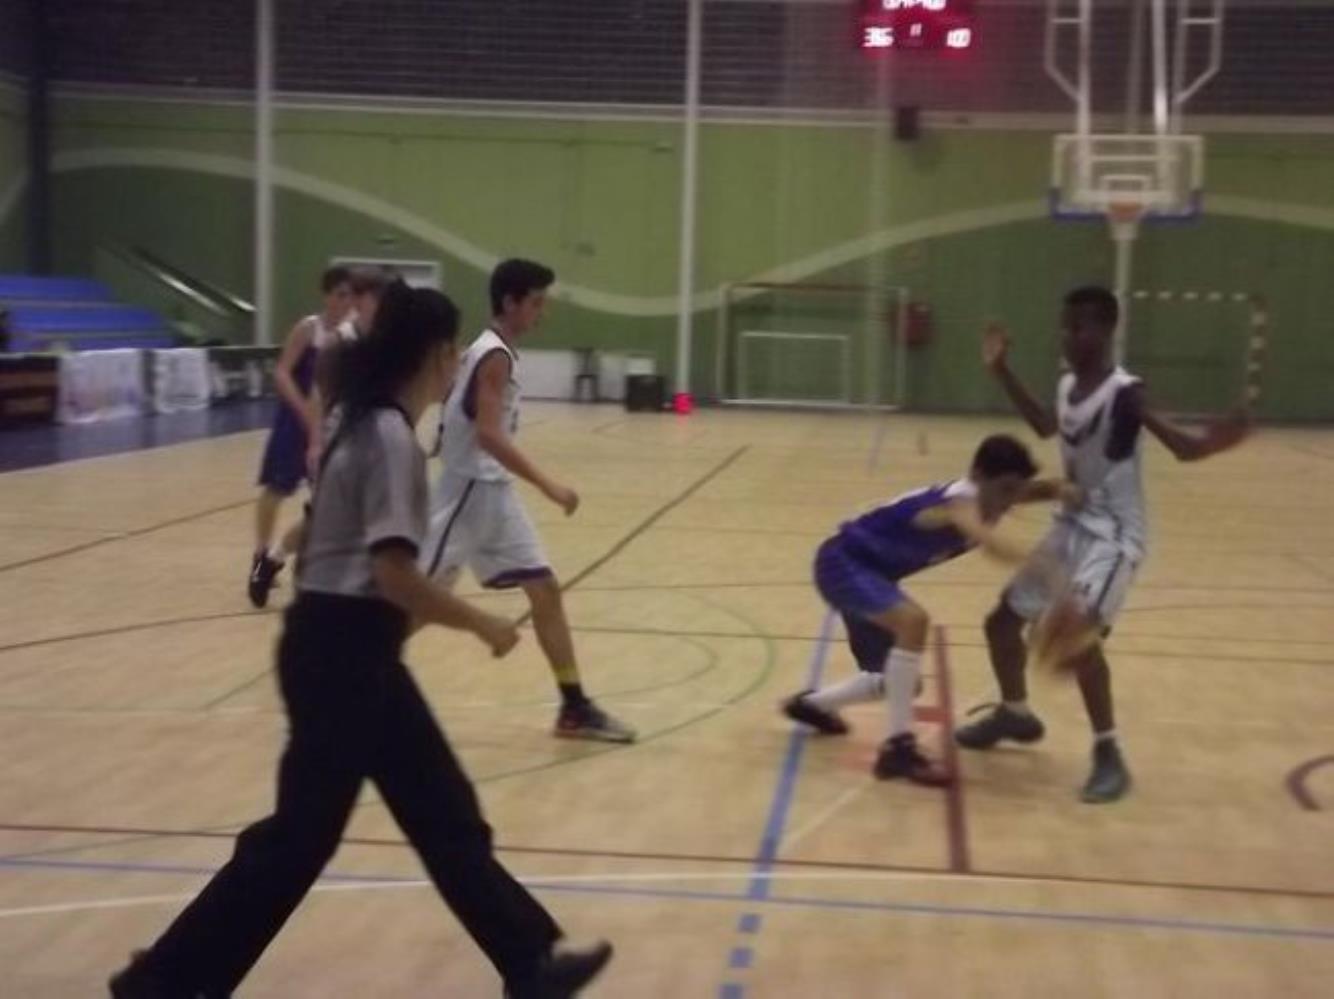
point(858, 571)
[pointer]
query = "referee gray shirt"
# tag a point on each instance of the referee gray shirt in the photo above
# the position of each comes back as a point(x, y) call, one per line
point(371, 493)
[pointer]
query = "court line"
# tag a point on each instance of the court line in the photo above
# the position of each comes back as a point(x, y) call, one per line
point(956, 818)
point(1310, 565)
point(647, 523)
point(823, 816)
point(739, 635)
point(772, 837)
point(1296, 782)
point(597, 884)
point(138, 532)
point(140, 835)
point(761, 675)
point(781, 802)
point(952, 584)
point(635, 532)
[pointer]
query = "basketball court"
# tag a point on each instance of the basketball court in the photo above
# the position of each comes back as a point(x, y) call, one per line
point(726, 853)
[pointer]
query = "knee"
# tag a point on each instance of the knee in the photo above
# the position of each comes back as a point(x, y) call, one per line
point(1002, 624)
point(913, 626)
point(544, 593)
point(302, 844)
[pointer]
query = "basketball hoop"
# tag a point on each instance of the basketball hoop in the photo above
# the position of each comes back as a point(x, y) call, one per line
point(1124, 217)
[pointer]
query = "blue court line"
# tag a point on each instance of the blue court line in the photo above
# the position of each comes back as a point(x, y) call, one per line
point(759, 890)
point(787, 775)
point(780, 901)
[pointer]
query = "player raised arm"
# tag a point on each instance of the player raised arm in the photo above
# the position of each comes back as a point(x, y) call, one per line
point(1216, 435)
point(995, 351)
point(492, 377)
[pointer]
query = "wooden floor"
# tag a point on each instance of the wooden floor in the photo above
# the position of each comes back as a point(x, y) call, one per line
point(725, 854)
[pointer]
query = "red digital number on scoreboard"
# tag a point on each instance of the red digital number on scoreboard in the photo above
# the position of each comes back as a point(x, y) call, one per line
point(887, 25)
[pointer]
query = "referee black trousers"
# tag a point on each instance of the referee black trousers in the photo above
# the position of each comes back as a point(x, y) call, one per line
point(355, 713)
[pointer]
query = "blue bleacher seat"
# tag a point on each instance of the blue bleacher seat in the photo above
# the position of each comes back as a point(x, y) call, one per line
point(27, 288)
point(109, 318)
point(42, 343)
point(76, 314)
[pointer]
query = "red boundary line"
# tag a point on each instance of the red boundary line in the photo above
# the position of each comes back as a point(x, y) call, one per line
point(955, 817)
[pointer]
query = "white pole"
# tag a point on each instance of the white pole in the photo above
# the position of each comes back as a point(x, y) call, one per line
point(1160, 103)
point(1123, 238)
point(689, 165)
point(264, 58)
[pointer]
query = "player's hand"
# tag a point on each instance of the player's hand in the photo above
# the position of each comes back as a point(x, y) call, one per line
point(1228, 432)
point(313, 460)
point(497, 632)
point(995, 347)
point(564, 497)
point(1073, 496)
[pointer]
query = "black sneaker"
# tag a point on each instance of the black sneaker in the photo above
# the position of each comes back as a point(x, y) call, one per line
point(263, 571)
point(588, 721)
point(1109, 779)
point(562, 973)
point(799, 708)
point(900, 757)
point(1001, 723)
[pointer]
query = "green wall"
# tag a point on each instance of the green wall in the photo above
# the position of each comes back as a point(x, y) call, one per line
point(958, 217)
point(13, 165)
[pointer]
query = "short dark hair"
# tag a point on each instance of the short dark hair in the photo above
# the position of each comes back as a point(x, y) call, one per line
point(1001, 454)
point(369, 281)
point(333, 277)
point(516, 279)
point(1093, 305)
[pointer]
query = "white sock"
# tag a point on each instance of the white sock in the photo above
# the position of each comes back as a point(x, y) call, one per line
point(856, 689)
point(900, 683)
point(1108, 736)
point(1018, 707)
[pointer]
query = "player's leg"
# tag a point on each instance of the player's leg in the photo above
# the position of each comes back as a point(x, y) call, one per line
point(1101, 582)
point(870, 645)
point(1023, 600)
point(266, 564)
point(580, 717)
point(854, 590)
point(281, 473)
point(511, 555)
point(899, 755)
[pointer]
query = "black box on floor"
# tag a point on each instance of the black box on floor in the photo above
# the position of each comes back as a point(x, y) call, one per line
point(29, 389)
point(645, 393)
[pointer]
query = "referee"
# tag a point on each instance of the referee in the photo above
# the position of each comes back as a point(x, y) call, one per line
point(354, 711)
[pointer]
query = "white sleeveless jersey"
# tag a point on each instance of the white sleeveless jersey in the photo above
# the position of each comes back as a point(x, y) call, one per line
point(1100, 447)
point(463, 456)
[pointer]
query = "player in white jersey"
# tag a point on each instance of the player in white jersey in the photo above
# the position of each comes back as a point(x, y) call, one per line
point(477, 518)
point(1100, 411)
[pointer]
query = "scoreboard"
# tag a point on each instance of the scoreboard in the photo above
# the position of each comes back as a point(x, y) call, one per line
point(891, 25)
